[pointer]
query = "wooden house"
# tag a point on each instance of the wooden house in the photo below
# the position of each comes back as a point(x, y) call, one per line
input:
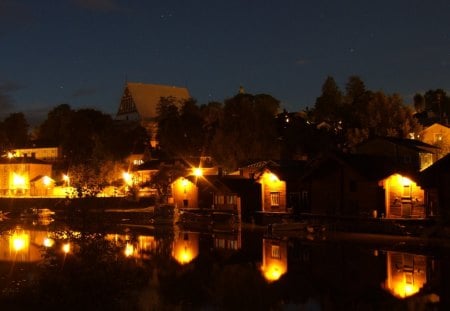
point(436, 182)
point(437, 135)
point(280, 185)
point(355, 185)
point(410, 153)
point(231, 194)
point(21, 176)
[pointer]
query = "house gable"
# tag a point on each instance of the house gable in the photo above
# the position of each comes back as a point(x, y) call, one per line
point(437, 135)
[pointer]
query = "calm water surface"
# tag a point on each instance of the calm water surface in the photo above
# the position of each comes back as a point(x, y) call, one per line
point(93, 266)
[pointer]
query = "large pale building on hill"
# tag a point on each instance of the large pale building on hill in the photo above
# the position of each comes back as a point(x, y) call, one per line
point(139, 102)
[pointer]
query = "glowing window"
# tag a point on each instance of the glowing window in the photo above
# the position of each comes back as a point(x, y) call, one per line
point(275, 198)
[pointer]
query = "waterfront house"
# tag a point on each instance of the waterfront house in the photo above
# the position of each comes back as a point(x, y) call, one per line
point(42, 185)
point(412, 153)
point(281, 192)
point(357, 185)
point(24, 176)
point(217, 193)
point(437, 135)
point(436, 183)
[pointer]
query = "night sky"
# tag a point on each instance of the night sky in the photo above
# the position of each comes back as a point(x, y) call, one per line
point(81, 52)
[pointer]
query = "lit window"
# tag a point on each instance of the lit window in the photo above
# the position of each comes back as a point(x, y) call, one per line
point(437, 137)
point(275, 198)
point(275, 253)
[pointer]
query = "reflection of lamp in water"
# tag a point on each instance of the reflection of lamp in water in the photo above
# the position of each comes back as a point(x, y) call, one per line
point(185, 247)
point(48, 242)
point(406, 273)
point(274, 259)
point(66, 248)
point(129, 250)
point(19, 241)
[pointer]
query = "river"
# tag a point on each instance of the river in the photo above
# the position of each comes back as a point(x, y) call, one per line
point(123, 266)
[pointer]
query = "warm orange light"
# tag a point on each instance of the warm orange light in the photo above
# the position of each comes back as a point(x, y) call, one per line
point(66, 178)
point(273, 272)
point(403, 289)
point(183, 255)
point(185, 248)
point(184, 182)
point(66, 248)
point(129, 250)
point(18, 181)
point(198, 172)
point(48, 242)
point(406, 181)
point(273, 177)
point(19, 241)
point(46, 180)
point(128, 178)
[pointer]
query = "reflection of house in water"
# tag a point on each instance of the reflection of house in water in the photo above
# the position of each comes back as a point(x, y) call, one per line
point(139, 247)
point(406, 273)
point(23, 245)
point(185, 246)
point(275, 262)
point(228, 240)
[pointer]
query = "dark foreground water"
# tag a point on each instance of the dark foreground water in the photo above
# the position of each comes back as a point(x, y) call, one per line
point(46, 265)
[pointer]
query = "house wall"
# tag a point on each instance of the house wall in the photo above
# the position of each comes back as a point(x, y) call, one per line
point(26, 170)
point(45, 153)
point(342, 192)
point(272, 187)
point(404, 198)
point(184, 193)
point(437, 135)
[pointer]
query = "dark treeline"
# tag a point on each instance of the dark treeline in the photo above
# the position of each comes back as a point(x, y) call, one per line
point(243, 128)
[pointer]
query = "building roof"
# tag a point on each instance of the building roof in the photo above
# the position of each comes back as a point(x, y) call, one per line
point(369, 167)
point(432, 175)
point(411, 144)
point(147, 96)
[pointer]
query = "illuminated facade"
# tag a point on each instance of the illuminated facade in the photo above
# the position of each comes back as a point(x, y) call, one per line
point(24, 176)
point(185, 193)
point(437, 135)
point(273, 191)
point(48, 154)
point(403, 197)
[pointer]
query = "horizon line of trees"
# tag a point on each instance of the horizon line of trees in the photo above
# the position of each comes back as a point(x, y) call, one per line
point(243, 128)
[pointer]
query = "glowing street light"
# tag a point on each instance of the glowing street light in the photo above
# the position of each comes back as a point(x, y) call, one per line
point(198, 171)
point(128, 178)
point(66, 179)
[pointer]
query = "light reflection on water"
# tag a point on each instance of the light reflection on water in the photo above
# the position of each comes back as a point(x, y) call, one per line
point(243, 269)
